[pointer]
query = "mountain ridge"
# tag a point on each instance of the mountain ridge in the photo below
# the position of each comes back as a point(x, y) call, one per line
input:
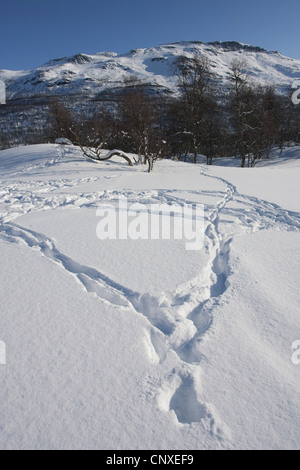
point(94, 74)
point(87, 83)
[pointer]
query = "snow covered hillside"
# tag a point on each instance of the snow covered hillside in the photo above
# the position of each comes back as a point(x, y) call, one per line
point(90, 84)
point(93, 75)
point(141, 344)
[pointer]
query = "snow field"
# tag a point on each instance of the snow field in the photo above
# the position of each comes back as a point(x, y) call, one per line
point(142, 344)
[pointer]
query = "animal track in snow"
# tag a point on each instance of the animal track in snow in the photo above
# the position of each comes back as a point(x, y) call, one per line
point(185, 404)
point(177, 322)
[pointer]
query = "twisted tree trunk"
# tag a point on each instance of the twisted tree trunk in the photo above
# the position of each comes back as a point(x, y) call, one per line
point(96, 155)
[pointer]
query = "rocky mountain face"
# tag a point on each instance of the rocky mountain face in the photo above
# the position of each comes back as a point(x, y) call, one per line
point(84, 81)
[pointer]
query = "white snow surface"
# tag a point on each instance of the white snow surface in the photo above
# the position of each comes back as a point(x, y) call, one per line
point(123, 344)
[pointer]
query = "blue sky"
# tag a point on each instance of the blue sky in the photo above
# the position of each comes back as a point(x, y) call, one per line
point(35, 31)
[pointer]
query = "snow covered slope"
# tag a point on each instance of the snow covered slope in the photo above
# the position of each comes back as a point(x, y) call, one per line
point(94, 74)
point(140, 344)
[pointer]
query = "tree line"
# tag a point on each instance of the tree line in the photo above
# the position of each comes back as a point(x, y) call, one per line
point(239, 119)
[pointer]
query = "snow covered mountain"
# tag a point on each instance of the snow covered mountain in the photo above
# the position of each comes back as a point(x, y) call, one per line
point(95, 74)
point(84, 81)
